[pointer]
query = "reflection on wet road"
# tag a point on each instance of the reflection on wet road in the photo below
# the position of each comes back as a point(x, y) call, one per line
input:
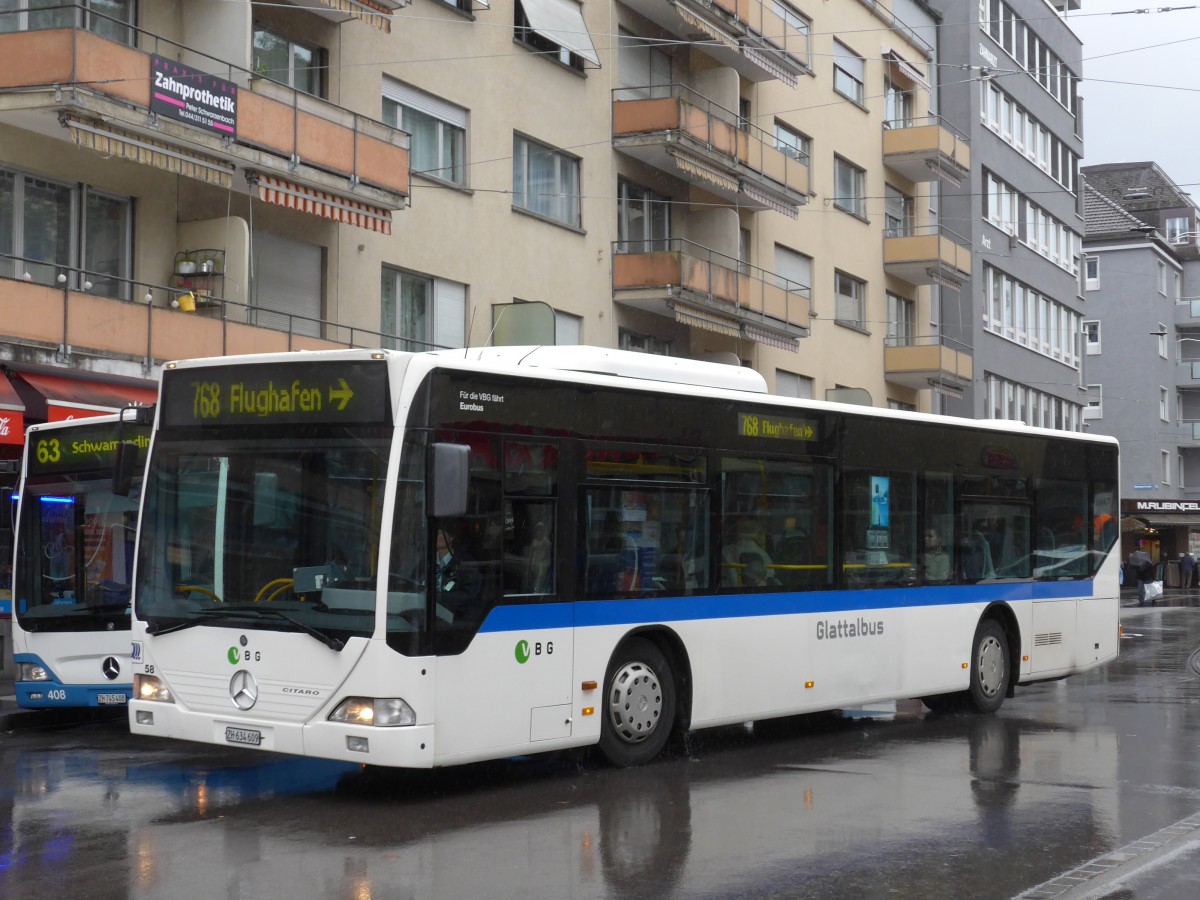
point(886, 801)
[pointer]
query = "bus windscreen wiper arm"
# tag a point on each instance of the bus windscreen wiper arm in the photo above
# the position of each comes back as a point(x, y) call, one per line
point(208, 615)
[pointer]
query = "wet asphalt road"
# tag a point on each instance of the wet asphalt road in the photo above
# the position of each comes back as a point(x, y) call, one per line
point(1066, 792)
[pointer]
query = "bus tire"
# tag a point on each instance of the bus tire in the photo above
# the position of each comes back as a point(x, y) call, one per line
point(639, 704)
point(990, 670)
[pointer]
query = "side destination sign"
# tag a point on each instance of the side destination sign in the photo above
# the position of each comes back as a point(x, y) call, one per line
point(288, 393)
point(83, 448)
point(776, 428)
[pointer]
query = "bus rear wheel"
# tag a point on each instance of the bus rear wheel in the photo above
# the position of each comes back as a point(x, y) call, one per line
point(990, 669)
point(639, 704)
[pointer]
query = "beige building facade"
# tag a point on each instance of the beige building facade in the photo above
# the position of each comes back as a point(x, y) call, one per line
point(751, 181)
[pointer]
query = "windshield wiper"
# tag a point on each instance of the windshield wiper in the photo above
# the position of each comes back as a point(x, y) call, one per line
point(234, 613)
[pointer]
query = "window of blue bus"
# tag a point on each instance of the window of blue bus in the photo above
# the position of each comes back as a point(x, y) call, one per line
point(775, 516)
point(879, 527)
point(644, 521)
point(938, 536)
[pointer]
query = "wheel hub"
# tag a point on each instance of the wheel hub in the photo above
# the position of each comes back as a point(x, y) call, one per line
point(635, 703)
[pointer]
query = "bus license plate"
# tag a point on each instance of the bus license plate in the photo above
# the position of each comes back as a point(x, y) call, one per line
point(111, 699)
point(243, 736)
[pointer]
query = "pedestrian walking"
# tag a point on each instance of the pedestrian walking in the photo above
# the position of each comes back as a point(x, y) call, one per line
point(1187, 570)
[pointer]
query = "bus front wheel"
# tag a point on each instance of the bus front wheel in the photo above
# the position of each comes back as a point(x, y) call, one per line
point(639, 704)
point(990, 669)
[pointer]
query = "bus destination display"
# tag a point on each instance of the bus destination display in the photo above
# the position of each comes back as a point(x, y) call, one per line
point(778, 428)
point(82, 449)
point(277, 394)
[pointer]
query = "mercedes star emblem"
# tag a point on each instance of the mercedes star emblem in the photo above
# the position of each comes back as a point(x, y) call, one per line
point(243, 689)
point(111, 668)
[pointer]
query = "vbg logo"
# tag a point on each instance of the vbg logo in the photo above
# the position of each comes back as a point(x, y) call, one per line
point(524, 650)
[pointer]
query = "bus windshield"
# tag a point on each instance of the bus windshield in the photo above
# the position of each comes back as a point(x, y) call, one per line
point(262, 528)
point(76, 554)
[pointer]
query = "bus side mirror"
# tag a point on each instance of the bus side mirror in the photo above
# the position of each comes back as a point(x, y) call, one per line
point(125, 465)
point(447, 480)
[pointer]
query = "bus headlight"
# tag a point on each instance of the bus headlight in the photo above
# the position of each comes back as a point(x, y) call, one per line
point(32, 672)
point(151, 687)
point(387, 712)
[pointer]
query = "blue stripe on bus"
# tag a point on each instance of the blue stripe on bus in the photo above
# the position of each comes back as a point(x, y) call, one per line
point(729, 606)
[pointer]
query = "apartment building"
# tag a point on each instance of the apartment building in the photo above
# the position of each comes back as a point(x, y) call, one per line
point(748, 181)
point(1143, 347)
point(1010, 70)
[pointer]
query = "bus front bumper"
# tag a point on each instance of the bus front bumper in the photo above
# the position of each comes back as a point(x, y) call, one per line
point(404, 747)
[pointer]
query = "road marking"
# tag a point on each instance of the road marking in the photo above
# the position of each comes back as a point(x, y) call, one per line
point(1103, 872)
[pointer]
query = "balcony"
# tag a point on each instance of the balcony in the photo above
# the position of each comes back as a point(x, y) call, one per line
point(746, 35)
point(922, 149)
point(60, 324)
point(97, 93)
point(930, 361)
point(698, 287)
point(680, 131)
point(931, 255)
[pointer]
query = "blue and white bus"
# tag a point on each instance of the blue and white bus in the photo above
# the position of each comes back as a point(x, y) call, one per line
point(428, 559)
point(73, 564)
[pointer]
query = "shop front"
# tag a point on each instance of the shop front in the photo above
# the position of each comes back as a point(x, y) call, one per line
point(1167, 530)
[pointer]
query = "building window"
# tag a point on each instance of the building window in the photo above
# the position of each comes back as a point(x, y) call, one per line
point(645, 70)
point(1166, 466)
point(898, 105)
point(897, 213)
point(420, 312)
point(901, 321)
point(1177, 231)
point(1162, 278)
point(290, 62)
point(567, 21)
point(108, 18)
point(798, 47)
point(901, 405)
point(1161, 332)
point(642, 343)
point(1091, 337)
point(545, 181)
point(439, 130)
point(643, 219)
point(48, 228)
point(849, 184)
point(795, 270)
point(568, 329)
point(1091, 269)
point(1094, 408)
point(851, 294)
point(789, 384)
point(792, 143)
point(1164, 404)
point(848, 72)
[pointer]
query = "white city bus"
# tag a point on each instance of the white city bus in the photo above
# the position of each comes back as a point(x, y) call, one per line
point(73, 564)
point(638, 546)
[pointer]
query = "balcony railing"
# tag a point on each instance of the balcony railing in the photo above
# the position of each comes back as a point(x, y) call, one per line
point(70, 67)
point(749, 36)
point(927, 255)
point(922, 362)
point(677, 129)
point(145, 322)
point(700, 286)
point(923, 148)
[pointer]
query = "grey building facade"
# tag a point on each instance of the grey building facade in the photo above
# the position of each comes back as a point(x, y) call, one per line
point(1010, 70)
point(1142, 366)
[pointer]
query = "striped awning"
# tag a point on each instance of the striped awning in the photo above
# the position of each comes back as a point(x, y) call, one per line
point(698, 167)
point(110, 141)
point(700, 318)
point(769, 200)
point(769, 336)
point(707, 27)
point(319, 203)
point(377, 14)
point(906, 70)
point(766, 60)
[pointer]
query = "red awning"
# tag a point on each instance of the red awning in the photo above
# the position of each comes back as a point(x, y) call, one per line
point(12, 415)
point(319, 203)
point(68, 397)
